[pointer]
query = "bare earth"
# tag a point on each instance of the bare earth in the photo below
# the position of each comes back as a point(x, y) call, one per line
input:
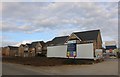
point(108, 67)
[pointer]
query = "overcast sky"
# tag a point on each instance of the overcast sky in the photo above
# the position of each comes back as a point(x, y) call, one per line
point(30, 21)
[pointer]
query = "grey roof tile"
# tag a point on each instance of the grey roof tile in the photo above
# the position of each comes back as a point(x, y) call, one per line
point(87, 35)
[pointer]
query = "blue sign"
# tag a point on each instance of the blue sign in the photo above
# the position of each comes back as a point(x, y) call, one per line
point(71, 50)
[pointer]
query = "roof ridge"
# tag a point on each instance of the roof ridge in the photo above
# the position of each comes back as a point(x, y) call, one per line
point(62, 36)
point(87, 31)
point(12, 46)
point(37, 41)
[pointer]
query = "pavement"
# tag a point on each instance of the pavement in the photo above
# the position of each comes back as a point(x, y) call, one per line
point(107, 67)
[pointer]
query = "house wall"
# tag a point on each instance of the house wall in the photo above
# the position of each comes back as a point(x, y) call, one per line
point(12, 52)
point(5, 51)
point(99, 42)
point(37, 47)
point(44, 48)
point(31, 52)
point(21, 51)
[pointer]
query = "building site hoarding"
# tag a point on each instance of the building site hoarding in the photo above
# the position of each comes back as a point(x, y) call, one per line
point(84, 51)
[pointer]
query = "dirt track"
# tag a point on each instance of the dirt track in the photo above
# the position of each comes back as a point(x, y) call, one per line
point(44, 61)
point(108, 67)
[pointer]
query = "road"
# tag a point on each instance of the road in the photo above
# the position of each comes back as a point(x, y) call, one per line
point(108, 67)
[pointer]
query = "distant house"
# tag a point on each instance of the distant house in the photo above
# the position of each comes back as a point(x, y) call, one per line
point(111, 47)
point(5, 52)
point(21, 50)
point(26, 50)
point(33, 49)
point(58, 41)
point(39, 46)
point(10, 51)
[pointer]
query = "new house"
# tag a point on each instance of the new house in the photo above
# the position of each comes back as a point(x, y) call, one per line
point(93, 36)
point(10, 51)
point(22, 49)
point(40, 47)
point(86, 44)
point(34, 49)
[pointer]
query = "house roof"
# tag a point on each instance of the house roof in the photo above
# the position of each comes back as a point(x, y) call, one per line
point(29, 45)
point(87, 35)
point(59, 40)
point(35, 43)
point(13, 47)
point(22, 45)
point(48, 43)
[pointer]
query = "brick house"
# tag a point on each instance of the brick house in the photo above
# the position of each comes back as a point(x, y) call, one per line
point(21, 50)
point(5, 51)
point(82, 45)
point(26, 50)
point(93, 36)
point(33, 49)
point(39, 47)
point(10, 51)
